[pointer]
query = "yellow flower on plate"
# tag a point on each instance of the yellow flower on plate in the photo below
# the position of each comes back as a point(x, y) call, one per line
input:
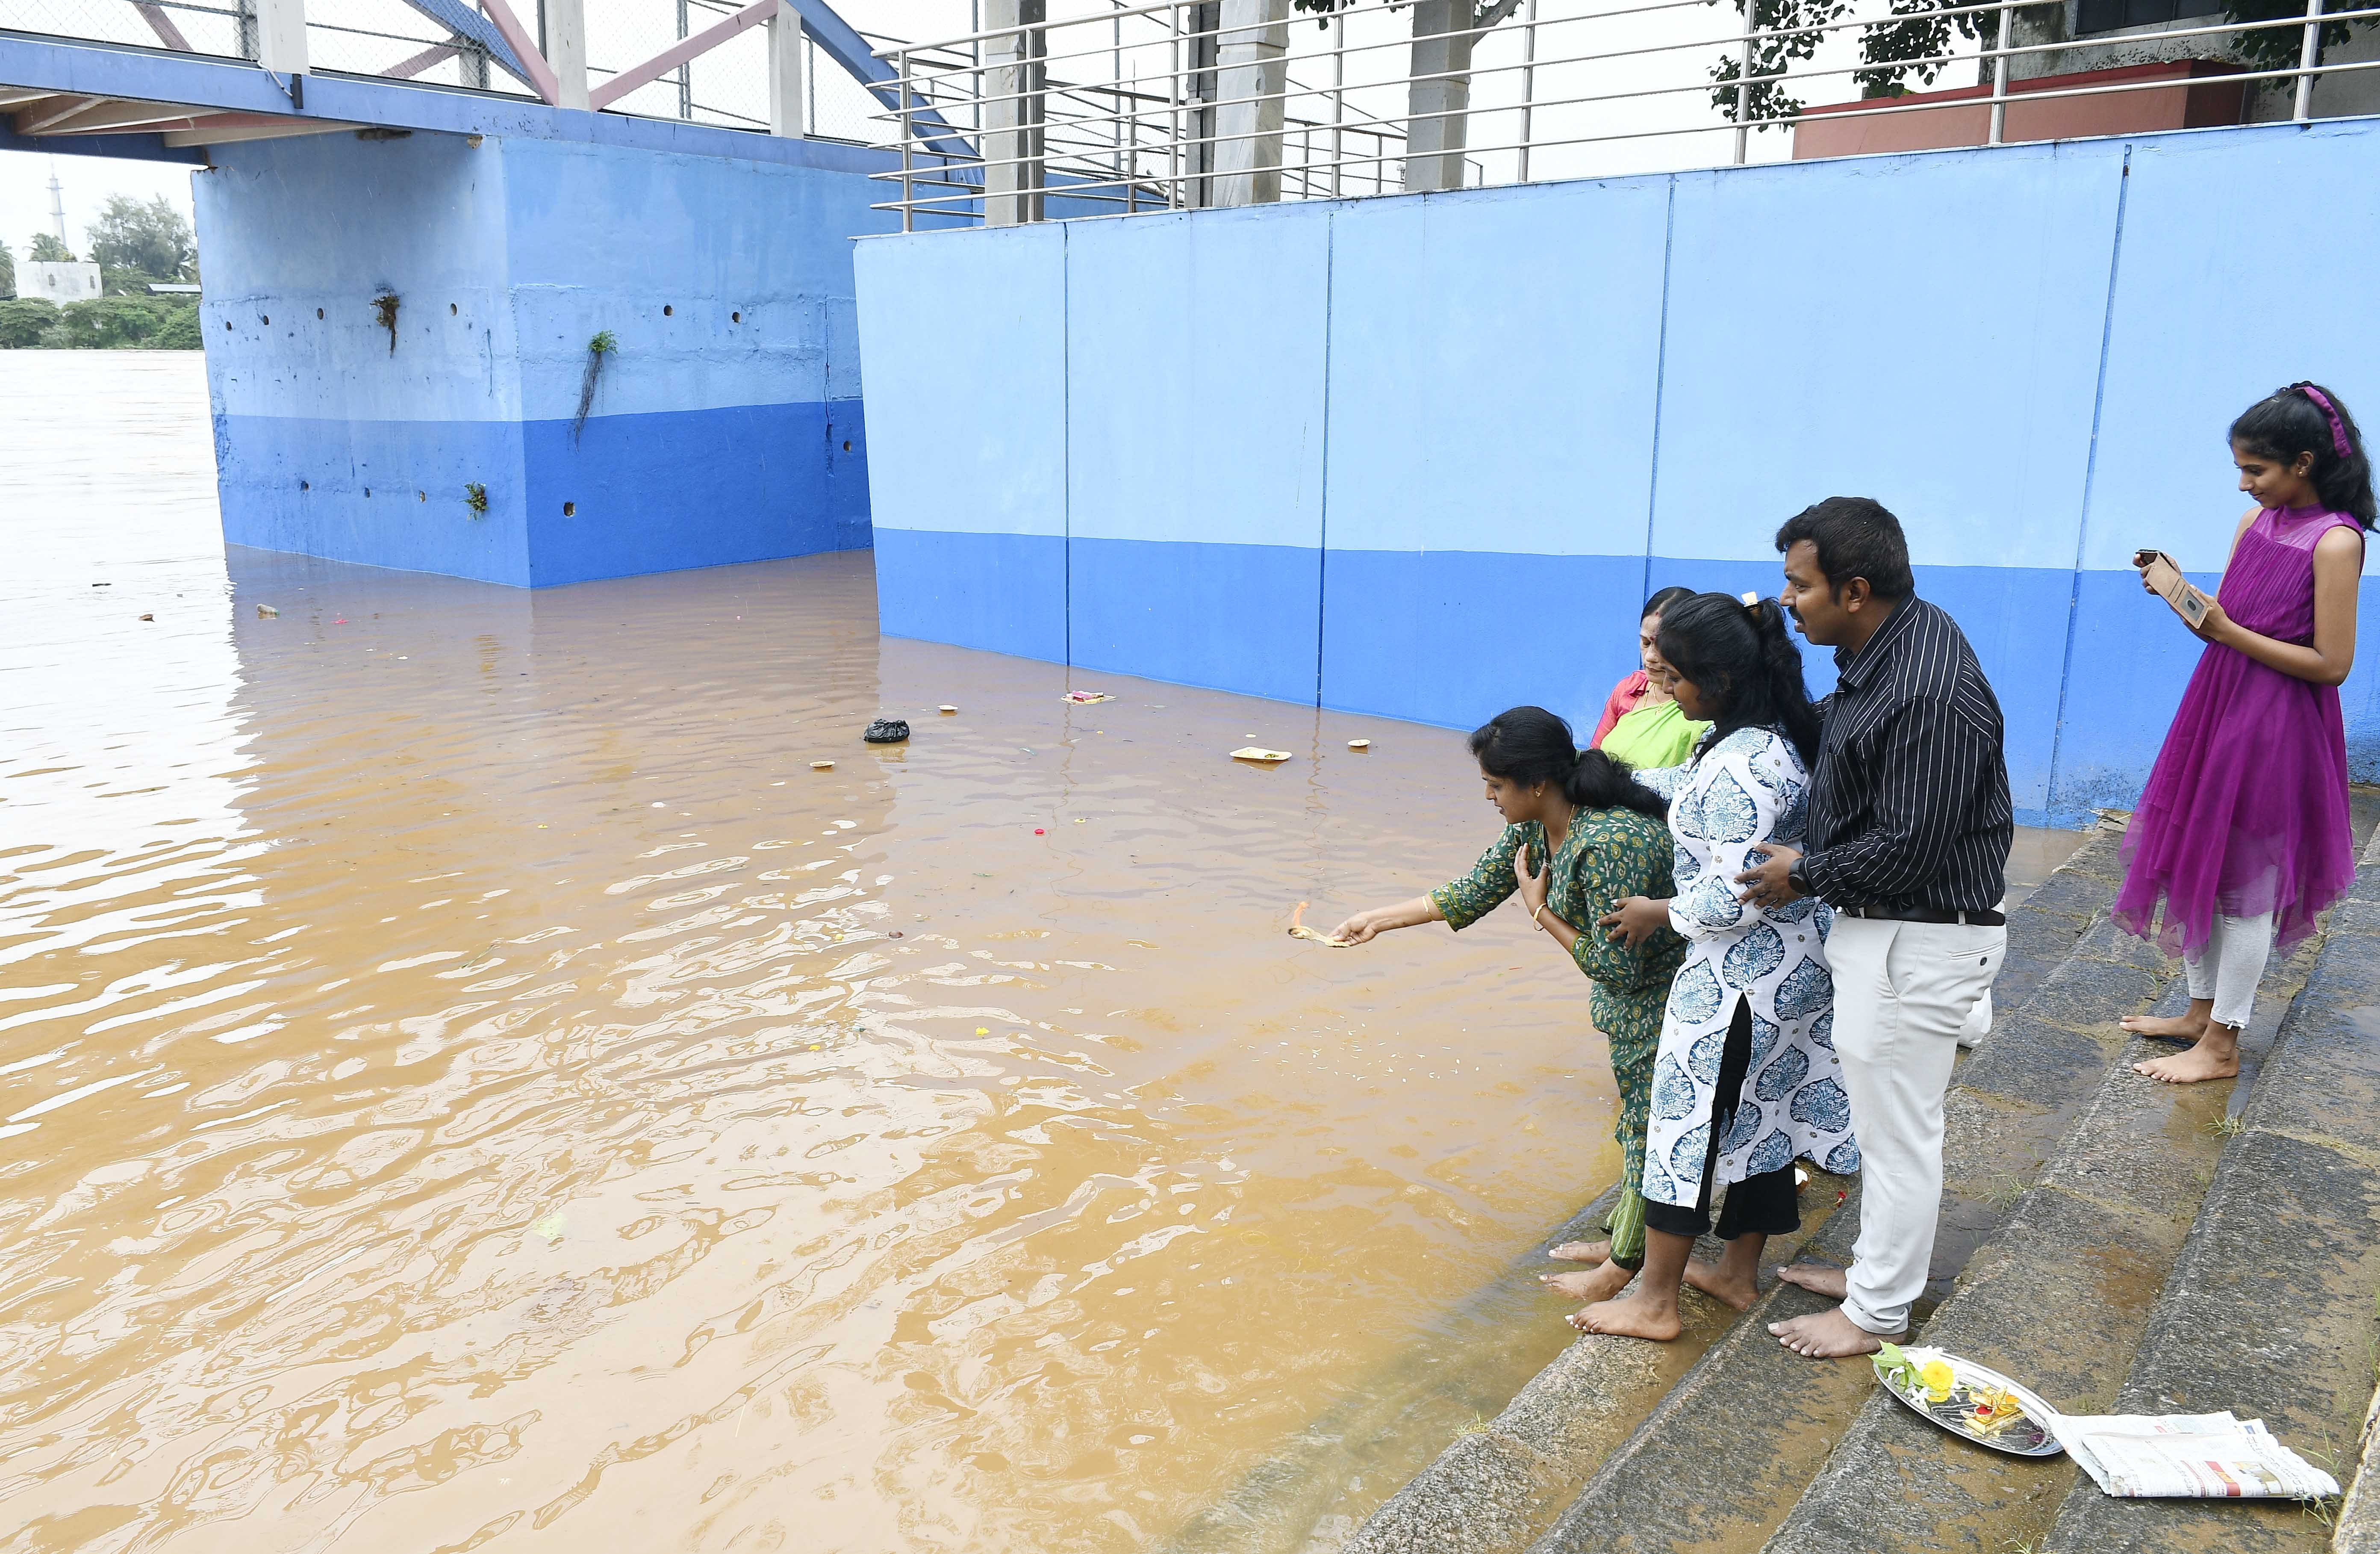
point(1936, 1377)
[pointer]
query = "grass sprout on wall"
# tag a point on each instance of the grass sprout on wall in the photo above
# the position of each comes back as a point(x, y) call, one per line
point(475, 497)
point(602, 345)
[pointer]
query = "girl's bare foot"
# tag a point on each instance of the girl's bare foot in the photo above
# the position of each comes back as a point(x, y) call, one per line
point(1589, 1284)
point(1639, 1315)
point(1829, 1335)
point(1816, 1277)
point(1583, 1251)
point(2216, 1056)
point(1722, 1283)
point(2181, 1027)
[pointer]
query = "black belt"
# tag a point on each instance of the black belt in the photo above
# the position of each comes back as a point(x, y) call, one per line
point(1924, 915)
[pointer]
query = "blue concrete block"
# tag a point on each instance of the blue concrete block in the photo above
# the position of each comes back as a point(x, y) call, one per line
point(1005, 593)
point(1245, 618)
point(724, 424)
point(382, 493)
point(1453, 638)
point(1170, 319)
point(1924, 330)
point(1494, 356)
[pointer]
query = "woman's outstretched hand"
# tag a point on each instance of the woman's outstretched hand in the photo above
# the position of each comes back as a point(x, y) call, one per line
point(1359, 929)
point(1532, 886)
point(1634, 919)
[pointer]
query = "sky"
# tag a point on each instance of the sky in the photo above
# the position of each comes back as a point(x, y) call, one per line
point(88, 181)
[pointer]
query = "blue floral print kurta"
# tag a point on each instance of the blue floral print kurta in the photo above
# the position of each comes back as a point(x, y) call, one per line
point(1749, 789)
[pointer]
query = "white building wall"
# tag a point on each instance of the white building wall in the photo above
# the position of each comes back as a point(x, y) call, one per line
point(58, 280)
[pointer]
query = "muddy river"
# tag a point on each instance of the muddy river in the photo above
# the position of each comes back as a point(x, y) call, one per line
point(466, 1082)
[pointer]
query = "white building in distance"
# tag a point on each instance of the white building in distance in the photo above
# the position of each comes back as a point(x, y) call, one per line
point(58, 280)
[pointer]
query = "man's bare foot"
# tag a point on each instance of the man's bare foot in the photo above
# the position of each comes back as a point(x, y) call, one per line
point(2208, 1060)
point(2181, 1027)
point(1589, 1284)
point(1829, 1335)
point(1720, 1285)
point(1816, 1277)
point(1583, 1251)
point(1637, 1317)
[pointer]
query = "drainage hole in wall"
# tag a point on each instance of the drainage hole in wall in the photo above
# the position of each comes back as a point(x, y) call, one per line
point(227, 324)
point(570, 509)
point(305, 485)
point(317, 313)
point(734, 318)
point(449, 310)
point(263, 320)
point(422, 496)
point(667, 310)
point(368, 491)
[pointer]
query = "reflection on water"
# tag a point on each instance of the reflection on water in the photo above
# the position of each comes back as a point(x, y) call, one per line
point(469, 1083)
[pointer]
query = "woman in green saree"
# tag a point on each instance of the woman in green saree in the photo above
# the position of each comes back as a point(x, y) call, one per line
point(1579, 834)
point(1641, 721)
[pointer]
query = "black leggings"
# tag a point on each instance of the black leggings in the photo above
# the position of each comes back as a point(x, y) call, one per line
point(1761, 1205)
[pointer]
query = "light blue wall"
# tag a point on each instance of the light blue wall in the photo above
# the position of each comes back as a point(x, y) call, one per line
point(1535, 404)
point(719, 428)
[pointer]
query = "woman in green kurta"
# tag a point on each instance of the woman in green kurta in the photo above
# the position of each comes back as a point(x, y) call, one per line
point(1579, 835)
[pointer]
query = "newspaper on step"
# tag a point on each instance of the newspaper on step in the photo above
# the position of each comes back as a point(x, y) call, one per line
point(2211, 1456)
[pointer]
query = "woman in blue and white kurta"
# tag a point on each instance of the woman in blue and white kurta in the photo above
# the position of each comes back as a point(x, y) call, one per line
point(1747, 1080)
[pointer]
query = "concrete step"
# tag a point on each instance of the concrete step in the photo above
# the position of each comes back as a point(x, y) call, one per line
point(2062, 1297)
point(1730, 1454)
point(2269, 1308)
point(1610, 1403)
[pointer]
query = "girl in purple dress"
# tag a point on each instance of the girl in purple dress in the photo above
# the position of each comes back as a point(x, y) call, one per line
point(2242, 829)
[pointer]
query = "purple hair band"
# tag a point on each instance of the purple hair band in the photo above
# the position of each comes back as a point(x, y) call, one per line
point(2338, 430)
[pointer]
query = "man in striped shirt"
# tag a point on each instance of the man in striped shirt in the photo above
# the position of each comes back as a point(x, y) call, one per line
point(1908, 834)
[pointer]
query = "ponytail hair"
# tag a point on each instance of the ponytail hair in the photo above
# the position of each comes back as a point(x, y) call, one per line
point(1529, 745)
point(2308, 419)
point(1741, 655)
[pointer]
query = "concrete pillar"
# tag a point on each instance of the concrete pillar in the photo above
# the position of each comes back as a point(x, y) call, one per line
point(281, 36)
point(1251, 60)
point(566, 50)
point(1011, 126)
point(786, 91)
point(1434, 144)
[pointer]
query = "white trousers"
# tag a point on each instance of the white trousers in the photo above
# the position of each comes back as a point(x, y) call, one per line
point(2228, 966)
point(1902, 993)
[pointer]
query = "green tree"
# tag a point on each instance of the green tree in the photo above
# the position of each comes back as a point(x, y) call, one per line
point(23, 321)
point(179, 332)
point(150, 239)
point(2276, 48)
point(7, 271)
point(45, 249)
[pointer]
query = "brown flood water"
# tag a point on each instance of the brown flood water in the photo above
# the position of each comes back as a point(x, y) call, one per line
point(466, 1082)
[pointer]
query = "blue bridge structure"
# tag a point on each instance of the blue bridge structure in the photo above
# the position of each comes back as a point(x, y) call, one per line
point(488, 333)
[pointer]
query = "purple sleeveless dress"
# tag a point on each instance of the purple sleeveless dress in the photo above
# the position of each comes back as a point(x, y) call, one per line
point(2246, 810)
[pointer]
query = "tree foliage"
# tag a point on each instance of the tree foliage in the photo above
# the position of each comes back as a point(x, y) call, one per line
point(7, 271)
point(156, 324)
point(2276, 48)
point(46, 250)
point(149, 238)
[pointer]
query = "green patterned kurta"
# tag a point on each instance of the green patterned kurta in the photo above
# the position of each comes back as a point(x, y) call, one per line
point(1609, 854)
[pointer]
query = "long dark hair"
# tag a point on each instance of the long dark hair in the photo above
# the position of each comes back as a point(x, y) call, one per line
point(2298, 419)
point(1663, 599)
point(1741, 656)
point(1529, 745)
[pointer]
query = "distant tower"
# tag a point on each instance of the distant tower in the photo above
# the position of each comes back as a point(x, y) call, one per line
point(57, 203)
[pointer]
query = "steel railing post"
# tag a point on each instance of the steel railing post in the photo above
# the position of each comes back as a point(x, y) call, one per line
point(1338, 97)
point(2309, 51)
point(1528, 84)
point(2000, 74)
point(1743, 82)
point(908, 210)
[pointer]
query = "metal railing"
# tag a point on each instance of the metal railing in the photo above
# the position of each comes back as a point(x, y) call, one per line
point(1182, 104)
point(452, 42)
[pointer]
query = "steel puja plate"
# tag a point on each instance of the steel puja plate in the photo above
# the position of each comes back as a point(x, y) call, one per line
point(2025, 1434)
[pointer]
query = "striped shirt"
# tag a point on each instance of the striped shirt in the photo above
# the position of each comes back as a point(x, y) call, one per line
point(1909, 805)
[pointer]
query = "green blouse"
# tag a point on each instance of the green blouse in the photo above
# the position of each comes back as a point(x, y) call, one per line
point(1610, 853)
point(1653, 738)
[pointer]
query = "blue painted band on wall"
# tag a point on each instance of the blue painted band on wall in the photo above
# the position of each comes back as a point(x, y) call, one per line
point(645, 493)
point(1005, 593)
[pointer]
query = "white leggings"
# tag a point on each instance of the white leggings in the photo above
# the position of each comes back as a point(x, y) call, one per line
point(2228, 966)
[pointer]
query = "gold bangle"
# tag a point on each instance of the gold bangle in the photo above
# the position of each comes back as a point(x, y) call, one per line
point(1535, 915)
